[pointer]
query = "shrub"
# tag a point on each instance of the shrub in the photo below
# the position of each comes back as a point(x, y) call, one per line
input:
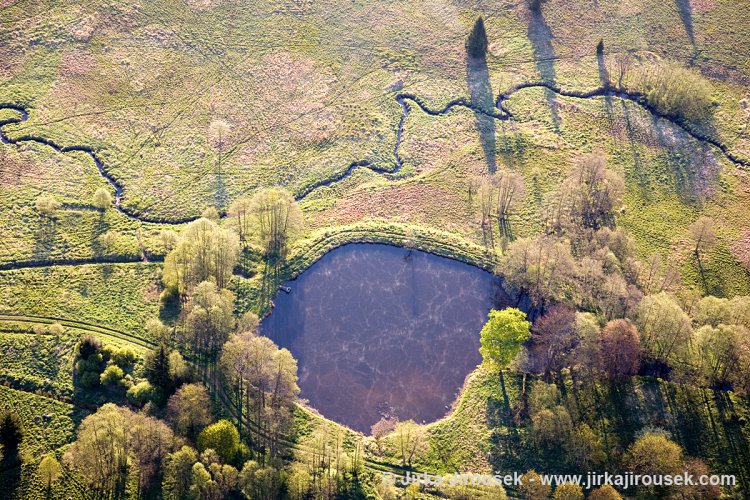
point(47, 205)
point(88, 345)
point(111, 375)
point(102, 199)
point(124, 356)
point(39, 329)
point(56, 329)
point(144, 392)
point(673, 90)
point(89, 379)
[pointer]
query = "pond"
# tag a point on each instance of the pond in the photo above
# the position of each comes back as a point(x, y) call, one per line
point(383, 330)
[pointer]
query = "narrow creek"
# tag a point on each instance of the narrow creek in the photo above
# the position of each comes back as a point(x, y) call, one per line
point(404, 100)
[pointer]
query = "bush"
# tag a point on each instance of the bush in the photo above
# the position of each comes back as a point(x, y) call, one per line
point(673, 90)
point(47, 205)
point(111, 375)
point(124, 356)
point(89, 379)
point(144, 392)
point(56, 329)
point(88, 345)
point(102, 199)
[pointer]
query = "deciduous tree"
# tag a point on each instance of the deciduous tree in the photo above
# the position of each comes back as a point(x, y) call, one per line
point(503, 336)
point(47, 205)
point(221, 437)
point(277, 220)
point(204, 252)
point(542, 268)
point(190, 409)
point(664, 328)
point(178, 473)
point(209, 319)
point(102, 199)
point(620, 349)
point(264, 381)
point(553, 338)
point(49, 471)
point(409, 439)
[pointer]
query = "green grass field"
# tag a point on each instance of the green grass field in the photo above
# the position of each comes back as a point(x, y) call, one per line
point(193, 104)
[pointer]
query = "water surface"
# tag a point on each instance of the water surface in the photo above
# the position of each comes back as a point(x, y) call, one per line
point(380, 329)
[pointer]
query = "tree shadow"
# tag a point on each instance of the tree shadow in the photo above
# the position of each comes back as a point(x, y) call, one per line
point(640, 172)
point(734, 428)
point(686, 15)
point(270, 282)
point(220, 194)
point(507, 449)
point(10, 472)
point(46, 238)
point(483, 102)
point(541, 37)
point(604, 78)
point(693, 164)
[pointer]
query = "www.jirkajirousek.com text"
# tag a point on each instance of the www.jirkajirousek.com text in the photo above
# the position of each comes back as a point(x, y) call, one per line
point(586, 481)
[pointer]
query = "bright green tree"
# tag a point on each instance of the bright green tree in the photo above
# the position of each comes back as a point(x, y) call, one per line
point(222, 437)
point(178, 473)
point(503, 335)
point(49, 470)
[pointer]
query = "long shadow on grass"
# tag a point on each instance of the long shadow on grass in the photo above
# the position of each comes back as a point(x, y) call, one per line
point(686, 16)
point(220, 195)
point(10, 472)
point(480, 90)
point(540, 37)
point(693, 164)
point(735, 430)
point(604, 78)
point(46, 237)
point(507, 451)
point(643, 181)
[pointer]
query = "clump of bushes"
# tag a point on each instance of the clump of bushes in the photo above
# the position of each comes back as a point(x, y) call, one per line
point(144, 392)
point(105, 365)
point(672, 89)
point(90, 361)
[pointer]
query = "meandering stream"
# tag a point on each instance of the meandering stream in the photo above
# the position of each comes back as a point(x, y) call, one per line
point(405, 100)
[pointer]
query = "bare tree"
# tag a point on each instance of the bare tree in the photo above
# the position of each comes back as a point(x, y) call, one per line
point(620, 348)
point(553, 337)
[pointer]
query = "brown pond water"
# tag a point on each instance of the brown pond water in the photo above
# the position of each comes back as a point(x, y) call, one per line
point(380, 329)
